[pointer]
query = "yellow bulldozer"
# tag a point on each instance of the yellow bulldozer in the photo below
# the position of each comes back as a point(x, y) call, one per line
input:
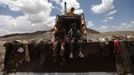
point(96, 56)
point(93, 54)
point(67, 19)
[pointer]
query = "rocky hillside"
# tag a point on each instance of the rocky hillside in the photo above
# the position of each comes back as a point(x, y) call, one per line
point(36, 35)
point(92, 34)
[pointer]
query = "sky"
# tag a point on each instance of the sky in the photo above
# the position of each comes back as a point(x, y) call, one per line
point(21, 16)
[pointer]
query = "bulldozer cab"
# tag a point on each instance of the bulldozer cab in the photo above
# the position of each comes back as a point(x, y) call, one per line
point(67, 21)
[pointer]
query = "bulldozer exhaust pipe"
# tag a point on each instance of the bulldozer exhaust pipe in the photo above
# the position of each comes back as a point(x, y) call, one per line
point(65, 6)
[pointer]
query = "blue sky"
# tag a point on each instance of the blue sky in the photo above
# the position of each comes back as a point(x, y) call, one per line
point(19, 16)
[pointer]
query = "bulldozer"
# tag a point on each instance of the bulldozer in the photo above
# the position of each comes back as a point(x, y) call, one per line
point(66, 23)
point(94, 58)
point(90, 56)
point(66, 20)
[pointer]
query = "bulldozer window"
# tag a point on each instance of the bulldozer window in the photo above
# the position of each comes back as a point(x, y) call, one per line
point(68, 21)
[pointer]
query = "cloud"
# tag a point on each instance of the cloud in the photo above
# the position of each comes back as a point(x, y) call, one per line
point(36, 16)
point(90, 24)
point(109, 16)
point(132, 22)
point(56, 1)
point(70, 3)
point(111, 12)
point(103, 28)
point(10, 25)
point(7, 24)
point(126, 26)
point(57, 8)
point(29, 6)
point(108, 19)
point(3, 32)
point(3, 5)
point(104, 7)
point(122, 27)
point(78, 11)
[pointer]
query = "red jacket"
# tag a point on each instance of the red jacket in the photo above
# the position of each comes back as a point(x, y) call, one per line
point(117, 49)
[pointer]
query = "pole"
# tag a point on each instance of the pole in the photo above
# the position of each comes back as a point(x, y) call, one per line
point(65, 12)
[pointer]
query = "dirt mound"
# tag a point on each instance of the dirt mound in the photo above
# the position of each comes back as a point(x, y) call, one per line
point(91, 31)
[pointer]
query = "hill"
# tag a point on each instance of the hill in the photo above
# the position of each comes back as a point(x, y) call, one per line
point(92, 34)
point(36, 35)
